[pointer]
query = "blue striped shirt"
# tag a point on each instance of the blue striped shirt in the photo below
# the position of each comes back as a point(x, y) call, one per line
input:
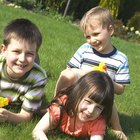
point(117, 62)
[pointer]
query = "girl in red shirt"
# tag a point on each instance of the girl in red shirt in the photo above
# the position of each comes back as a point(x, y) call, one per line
point(82, 110)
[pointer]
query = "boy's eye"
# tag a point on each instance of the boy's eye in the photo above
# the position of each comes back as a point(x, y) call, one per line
point(15, 51)
point(29, 53)
point(87, 37)
point(95, 34)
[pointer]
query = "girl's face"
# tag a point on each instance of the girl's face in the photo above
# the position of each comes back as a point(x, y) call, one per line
point(89, 110)
point(19, 57)
point(99, 37)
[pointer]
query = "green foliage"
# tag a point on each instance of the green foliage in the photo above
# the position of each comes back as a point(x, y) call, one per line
point(135, 21)
point(78, 8)
point(119, 31)
point(112, 5)
point(128, 9)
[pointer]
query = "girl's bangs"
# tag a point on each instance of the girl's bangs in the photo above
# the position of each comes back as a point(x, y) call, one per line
point(97, 96)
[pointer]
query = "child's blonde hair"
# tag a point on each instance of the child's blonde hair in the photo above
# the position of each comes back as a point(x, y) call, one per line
point(97, 13)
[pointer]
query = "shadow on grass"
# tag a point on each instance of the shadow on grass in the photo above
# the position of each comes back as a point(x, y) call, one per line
point(130, 124)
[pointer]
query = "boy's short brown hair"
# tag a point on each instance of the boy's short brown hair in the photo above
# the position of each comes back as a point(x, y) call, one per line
point(22, 29)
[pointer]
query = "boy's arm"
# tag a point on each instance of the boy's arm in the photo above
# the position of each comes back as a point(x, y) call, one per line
point(15, 118)
point(118, 88)
point(68, 77)
point(79, 72)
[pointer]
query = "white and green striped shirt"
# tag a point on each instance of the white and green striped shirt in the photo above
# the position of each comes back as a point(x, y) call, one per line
point(27, 91)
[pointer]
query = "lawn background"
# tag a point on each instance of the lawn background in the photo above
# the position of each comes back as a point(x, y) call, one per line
point(60, 40)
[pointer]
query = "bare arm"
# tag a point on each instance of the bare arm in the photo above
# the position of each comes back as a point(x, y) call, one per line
point(118, 88)
point(15, 118)
point(40, 130)
point(68, 77)
point(97, 137)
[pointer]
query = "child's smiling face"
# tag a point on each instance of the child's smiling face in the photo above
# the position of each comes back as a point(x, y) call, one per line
point(99, 37)
point(19, 57)
point(89, 110)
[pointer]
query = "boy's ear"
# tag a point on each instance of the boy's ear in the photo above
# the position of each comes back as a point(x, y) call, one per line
point(2, 48)
point(111, 29)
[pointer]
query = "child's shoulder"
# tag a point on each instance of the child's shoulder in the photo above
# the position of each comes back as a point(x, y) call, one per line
point(37, 73)
point(85, 47)
point(1, 58)
point(121, 54)
point(38, 68)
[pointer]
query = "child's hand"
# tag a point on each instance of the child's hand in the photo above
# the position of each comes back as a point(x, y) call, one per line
point(3, 115)
point(120, 135)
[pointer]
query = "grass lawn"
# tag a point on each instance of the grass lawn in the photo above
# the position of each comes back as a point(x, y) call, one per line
point(60, 41)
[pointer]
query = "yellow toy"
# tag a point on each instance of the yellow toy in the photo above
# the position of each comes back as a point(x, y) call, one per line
point(4, 101)
point(102, 67)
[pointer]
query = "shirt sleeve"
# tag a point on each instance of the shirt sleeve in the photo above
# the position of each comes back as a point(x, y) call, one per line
point(54, 110)
point(122, 75)
point(33, 97)
point(97, 128)
point(77, 59)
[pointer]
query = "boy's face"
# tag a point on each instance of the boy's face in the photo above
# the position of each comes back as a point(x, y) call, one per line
point(99, 37)
point(19, 57)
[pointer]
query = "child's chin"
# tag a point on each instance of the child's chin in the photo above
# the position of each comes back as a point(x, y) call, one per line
point(82, 119)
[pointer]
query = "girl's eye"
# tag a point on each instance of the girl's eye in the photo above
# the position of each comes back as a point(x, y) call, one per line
point(88, 101)
point(100, 108)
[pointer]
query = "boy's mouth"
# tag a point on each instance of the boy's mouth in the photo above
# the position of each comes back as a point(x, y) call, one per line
point(21, 66)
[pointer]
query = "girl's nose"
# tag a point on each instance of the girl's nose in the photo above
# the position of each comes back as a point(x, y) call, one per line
point(91, 109)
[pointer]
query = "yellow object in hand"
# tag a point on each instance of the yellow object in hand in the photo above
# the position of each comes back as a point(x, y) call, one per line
point(4, 101)
point(102, 67)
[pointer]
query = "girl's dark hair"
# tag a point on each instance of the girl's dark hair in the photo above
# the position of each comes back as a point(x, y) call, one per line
point(98, 86)
point(22, 29)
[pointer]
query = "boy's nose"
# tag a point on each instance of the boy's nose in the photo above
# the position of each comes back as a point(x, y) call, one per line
point(22, 57)
point(93, 41)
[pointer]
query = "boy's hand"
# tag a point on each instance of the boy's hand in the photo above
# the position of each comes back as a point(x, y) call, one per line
point(3, 115)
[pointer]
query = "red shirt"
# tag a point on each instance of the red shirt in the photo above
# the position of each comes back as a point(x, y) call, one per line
point(70, 126)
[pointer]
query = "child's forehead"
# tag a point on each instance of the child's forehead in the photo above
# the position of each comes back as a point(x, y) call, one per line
point(93, 23)
point(93, 19)
point(21, 42)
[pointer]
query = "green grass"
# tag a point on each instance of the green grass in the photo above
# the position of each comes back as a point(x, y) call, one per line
point(60, 41)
